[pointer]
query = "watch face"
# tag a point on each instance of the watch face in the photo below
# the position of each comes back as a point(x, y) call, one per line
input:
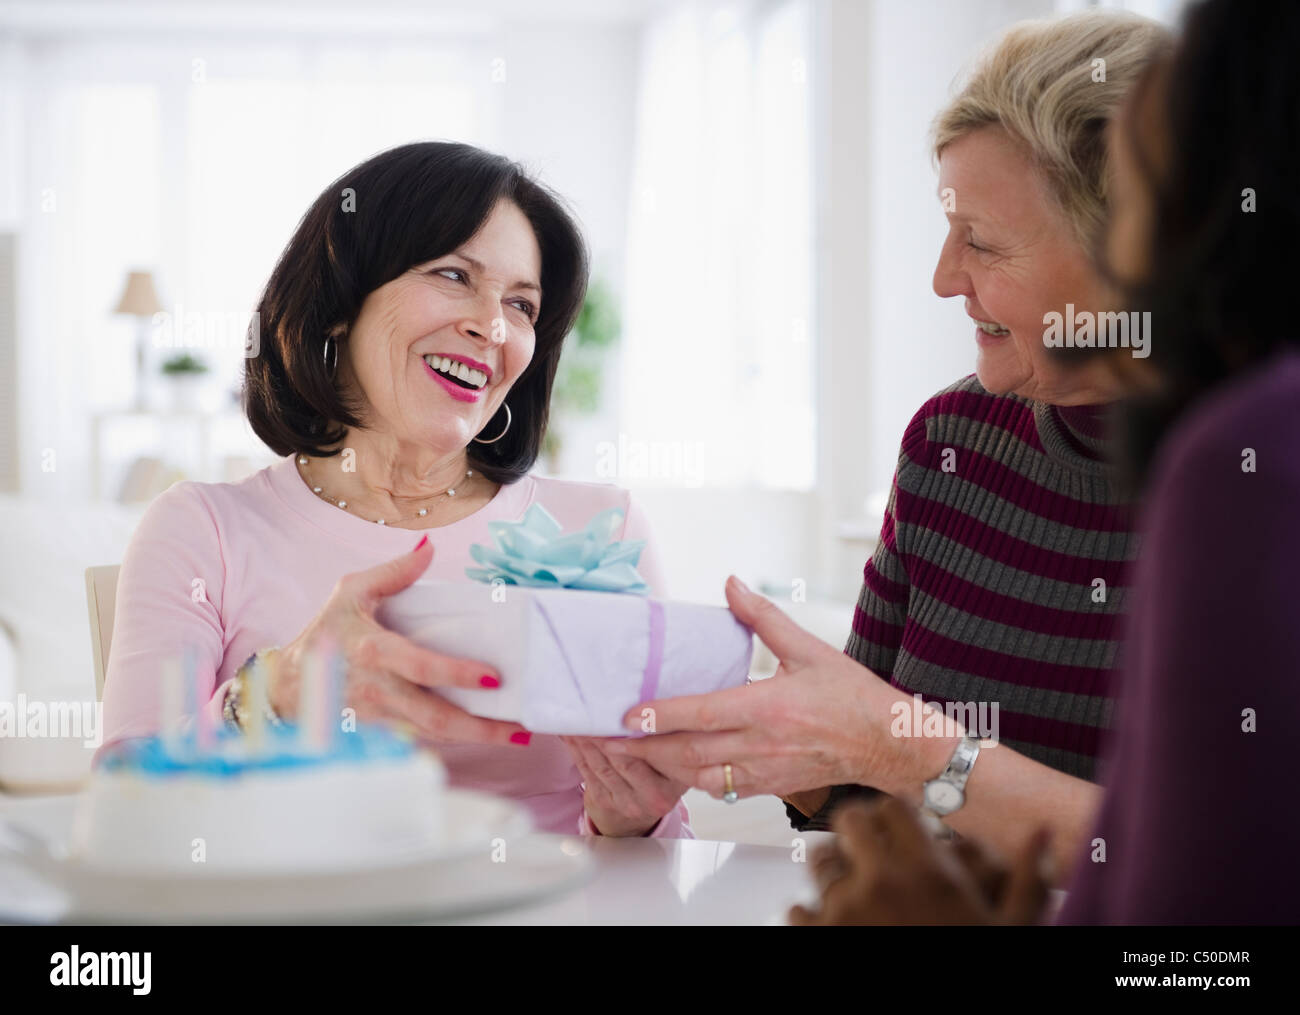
point(943, 797)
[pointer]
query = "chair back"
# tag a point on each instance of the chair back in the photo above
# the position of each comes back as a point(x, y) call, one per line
point(101, 599)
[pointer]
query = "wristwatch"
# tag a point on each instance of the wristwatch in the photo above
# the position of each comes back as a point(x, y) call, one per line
point(947, 792)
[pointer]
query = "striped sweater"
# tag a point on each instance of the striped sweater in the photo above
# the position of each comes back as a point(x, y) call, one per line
point(1000, 574)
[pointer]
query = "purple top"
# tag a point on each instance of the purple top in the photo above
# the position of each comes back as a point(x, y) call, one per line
point(1200, 823)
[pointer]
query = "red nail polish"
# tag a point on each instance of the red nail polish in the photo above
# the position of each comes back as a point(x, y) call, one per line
point(521, 738)
point(423, 540)
point(489, 681)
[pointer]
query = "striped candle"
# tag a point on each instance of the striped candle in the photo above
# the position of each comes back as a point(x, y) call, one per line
point(308, 700)
point(204, 729)
point(320, 697)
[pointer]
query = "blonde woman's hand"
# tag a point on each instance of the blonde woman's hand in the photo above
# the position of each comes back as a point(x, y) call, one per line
point(823, 720)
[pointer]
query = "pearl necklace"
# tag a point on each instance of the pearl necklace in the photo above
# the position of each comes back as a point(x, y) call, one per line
point(342, 504)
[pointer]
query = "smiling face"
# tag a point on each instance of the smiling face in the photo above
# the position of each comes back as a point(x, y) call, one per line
point(434, 353)
point(1013, 255)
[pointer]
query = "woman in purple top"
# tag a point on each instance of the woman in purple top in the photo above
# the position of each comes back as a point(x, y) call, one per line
point(1193, 828)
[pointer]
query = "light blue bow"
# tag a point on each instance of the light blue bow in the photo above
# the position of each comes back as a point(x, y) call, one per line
point(534, 552)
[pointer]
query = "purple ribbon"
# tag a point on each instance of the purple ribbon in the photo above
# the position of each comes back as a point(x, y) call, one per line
point(655, 654)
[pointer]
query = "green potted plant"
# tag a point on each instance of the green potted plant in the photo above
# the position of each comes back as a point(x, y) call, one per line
point(184, 374)
point(578, 380)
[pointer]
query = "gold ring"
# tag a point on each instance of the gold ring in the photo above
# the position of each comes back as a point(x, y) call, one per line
point(729, 791)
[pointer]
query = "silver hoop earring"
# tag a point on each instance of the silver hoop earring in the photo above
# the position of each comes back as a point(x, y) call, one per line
point(331, 354)
point(509, 419)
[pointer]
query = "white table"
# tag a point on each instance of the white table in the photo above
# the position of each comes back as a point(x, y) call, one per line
point(635, 881)
point(679, 881)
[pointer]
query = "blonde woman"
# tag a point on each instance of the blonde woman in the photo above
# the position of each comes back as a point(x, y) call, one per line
point(1001, 571)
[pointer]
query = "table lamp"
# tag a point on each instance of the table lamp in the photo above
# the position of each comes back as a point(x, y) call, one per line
point(140, 300)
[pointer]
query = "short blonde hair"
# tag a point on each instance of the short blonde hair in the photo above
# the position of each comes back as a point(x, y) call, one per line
point(1054, 85)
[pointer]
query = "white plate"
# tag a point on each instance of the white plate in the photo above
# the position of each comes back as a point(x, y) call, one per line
point(491, 863)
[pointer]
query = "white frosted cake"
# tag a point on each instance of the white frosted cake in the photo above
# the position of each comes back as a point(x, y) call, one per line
point(372, 799)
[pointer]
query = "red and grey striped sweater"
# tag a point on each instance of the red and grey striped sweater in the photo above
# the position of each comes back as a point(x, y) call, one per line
point(1000, 573)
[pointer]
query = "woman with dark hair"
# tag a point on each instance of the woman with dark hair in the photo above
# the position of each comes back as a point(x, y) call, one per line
point(1195, 827)
point(409, 337)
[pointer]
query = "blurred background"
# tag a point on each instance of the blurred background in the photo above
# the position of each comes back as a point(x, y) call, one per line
point(754, 180)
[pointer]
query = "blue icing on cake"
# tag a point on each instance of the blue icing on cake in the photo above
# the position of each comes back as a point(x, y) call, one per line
point(283, 749)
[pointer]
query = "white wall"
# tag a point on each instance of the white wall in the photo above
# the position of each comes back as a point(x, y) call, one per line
point(889, 341)
point(919, 342)
point(567, 114)
point(703, 535)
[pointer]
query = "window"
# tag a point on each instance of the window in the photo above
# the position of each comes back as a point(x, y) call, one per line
point(718, 355)
point(260, 151)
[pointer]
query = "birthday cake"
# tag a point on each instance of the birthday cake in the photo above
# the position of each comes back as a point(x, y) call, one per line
point(158, 804)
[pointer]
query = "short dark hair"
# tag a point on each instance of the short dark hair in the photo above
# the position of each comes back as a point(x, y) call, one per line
point(1221, 282)
point(401, 208)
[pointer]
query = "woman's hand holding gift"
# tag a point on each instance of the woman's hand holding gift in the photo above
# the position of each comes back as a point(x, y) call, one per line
point(624, 796)
point(823, 720)
point(388, 676)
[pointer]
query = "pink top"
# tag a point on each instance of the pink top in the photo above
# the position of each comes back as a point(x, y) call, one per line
point(229, 568)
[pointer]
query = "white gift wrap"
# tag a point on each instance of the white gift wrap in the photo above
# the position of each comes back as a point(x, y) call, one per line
point(572, 662)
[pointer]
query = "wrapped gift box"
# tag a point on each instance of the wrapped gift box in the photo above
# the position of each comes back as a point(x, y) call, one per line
point(572, 661)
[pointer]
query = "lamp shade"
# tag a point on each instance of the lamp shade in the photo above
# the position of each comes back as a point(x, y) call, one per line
point(139, 297)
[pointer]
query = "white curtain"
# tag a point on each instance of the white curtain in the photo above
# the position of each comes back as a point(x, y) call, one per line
point(719, 329)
